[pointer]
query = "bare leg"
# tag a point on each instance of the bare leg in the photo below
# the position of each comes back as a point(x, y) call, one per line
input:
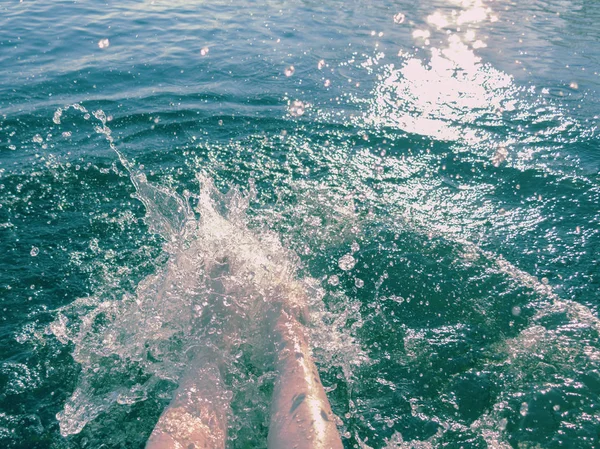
point(301, 416)
point(196, 418)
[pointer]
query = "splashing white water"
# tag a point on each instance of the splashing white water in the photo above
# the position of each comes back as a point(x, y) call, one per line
point(219, 282)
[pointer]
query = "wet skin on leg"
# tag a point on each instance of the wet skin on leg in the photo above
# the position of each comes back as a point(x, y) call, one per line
point(301, 416)
point(196, 418)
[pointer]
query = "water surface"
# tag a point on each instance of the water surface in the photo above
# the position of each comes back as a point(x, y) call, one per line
point(426, 174)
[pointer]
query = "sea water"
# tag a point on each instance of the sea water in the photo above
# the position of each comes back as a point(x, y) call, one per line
point(419, 181)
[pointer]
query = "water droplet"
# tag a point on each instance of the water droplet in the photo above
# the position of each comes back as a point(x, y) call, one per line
point(34, 251)
point(297, 108)
point(289, 71)
point(57, 116)
point(347, 262)
point(103, 43)
point(499, 156)
point(204, 51)
point(399, 18)
point(359, 283)
point(502, 424)
point(334, 280)
point(321, 64)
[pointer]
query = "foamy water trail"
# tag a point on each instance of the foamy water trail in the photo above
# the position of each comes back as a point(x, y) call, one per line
point(218, 283)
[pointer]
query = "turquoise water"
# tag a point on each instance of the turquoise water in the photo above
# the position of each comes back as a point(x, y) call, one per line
point(428, 174)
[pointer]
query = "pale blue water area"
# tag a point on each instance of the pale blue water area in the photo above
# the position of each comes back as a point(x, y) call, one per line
point(426, 172)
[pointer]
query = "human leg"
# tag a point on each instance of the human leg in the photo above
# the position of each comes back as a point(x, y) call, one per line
point(301, 416)
point(196, 418)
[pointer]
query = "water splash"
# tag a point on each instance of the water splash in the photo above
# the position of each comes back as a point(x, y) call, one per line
point(219, 281)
